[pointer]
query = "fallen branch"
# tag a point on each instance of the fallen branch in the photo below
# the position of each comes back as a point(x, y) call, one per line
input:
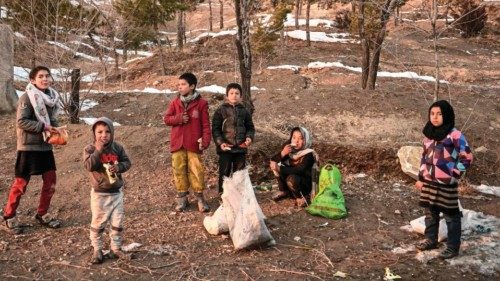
point(167, 265)
point(70, 265)
point(122, 270)
point(248, 276)
point(295, 272)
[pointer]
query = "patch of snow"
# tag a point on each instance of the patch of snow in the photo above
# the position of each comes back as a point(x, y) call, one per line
point(3, 12)
point(19, 93)
point(117, 109)
point(83, 44)
point(21, 73)
point(20, 35)
point(254, 88)
point(134, 59)
point(88, 104)
point(213, 34)
point(401, 250)
point(131, 246)
point(294, 68)
point(79, 54)
point(90, 77)
point(360, 176)
point(321, 36)
point(492, 190)
point(404, 74)
point(91, 121)
point(215, 89)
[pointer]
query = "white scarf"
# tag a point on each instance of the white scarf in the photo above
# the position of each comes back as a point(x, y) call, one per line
point(39, 100)
point(187, 99)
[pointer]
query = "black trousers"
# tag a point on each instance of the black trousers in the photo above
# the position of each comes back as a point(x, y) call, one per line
point(453, 223)
point(228, 164)
point(296, 185)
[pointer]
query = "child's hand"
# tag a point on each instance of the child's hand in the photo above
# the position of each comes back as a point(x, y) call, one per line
point(419, 185)
point(185, 117)
point(286, 150)
point(225, 146)
point(274, 166)
point(114, 168)
point(200, 146)
point(248, 141)
point(99, 145)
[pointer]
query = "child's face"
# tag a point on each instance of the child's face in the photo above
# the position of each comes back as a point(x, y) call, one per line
point(42, 80)
point(102, 133)
point(436, 117)
point(184, 88)
point(298, 140)
point(234, 96)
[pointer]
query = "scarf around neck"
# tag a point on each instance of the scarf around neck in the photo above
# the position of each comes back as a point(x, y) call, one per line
point(439, 133)
point(187, 99)
point(307, 144)
point(40, 101)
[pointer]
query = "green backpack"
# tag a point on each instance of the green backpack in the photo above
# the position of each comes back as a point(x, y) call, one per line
point(329, 202)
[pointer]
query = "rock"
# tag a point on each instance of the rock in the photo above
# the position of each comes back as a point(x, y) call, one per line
point(481, 149)
point(409, 158)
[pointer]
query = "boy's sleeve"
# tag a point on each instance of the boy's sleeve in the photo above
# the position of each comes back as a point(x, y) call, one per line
point(217, 127)
point(205, 126)
point(301, 169)
point(464, 156)
point(250, 128)
point(123, 160)
point(91, 158)
point(171, 118)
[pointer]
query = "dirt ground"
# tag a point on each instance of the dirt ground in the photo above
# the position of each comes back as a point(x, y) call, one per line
point(359, 131)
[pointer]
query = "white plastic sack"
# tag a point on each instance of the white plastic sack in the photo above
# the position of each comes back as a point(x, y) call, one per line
point(217, 223)
point(243, 213)
point(418, 225)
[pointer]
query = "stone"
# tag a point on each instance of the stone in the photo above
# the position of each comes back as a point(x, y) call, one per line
point(8, 96)
point(409, 158)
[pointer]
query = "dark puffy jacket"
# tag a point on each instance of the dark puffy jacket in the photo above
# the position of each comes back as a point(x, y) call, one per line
point(232, 125)
point(29, 129)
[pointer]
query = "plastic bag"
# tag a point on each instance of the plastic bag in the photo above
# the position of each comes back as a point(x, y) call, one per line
point(60, 138)
point(243, 213)
point(217, 223)
point(329, 202)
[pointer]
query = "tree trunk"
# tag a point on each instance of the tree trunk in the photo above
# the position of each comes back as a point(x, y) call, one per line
point(99, 54)
point(242, 8)
point(308, 32)
point(181, 30)
point(297, 4)
point(221, 20)
point(385, 14)
point(365, 45)
point(210, 16)
point(160, 50)
point(434, 15)
point(74, 99)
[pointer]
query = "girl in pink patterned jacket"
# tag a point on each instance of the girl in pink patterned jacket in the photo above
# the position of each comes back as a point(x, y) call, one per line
point(445, 158)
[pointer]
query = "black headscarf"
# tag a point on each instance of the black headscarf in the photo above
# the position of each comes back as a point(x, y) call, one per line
point(439, 133)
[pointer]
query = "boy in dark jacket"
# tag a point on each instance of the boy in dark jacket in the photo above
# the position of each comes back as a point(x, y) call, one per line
point(233, 132)
point(187, 114)
point(106, 160)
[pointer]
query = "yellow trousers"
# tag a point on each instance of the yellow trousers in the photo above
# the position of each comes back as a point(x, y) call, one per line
point(188, 171)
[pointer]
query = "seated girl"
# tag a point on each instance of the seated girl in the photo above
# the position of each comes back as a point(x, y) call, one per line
point(293, 167)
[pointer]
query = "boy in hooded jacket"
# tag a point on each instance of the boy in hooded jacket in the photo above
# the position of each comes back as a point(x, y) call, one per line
point(106, 160)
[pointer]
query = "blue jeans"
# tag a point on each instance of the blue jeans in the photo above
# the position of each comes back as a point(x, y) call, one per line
point(453, 224)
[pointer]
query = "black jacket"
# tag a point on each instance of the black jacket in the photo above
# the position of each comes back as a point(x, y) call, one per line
point(232, 125)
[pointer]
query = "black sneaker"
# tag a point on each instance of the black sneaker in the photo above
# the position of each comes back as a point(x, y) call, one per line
point(427, 245)
point(48, 221)
point(448, 253)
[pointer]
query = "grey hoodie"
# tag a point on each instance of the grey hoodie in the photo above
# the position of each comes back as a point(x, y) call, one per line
point(93, 160)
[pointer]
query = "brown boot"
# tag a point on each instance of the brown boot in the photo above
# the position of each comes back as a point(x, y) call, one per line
point(202, 204)
point(182, 202)
point(97, 257)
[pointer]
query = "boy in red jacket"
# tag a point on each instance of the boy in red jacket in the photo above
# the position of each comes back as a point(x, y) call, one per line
point(190, 135)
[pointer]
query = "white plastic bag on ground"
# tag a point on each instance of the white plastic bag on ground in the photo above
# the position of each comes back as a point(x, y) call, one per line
point(217, 223)
point(418, 226)
point(243, 213)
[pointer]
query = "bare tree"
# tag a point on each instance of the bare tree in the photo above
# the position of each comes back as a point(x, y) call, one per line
point(221, 20)
point(369, 66)
point(210, 16)
point(433, 17)
point(308, 31)
point(242, 9)
point(297, 5)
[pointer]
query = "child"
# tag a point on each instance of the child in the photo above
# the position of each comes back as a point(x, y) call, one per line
point(233, 132)
point(36, 120)
point(190, 135)
point(445, 158)
point(106, 160)
point(293, 167)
